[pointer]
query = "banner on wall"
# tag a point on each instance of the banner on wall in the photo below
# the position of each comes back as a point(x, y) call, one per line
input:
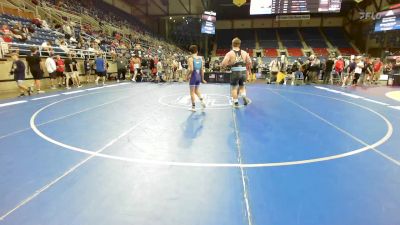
point(293, 17)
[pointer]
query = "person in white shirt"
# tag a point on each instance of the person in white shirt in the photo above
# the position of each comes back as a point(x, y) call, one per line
point(47, 49)
point(358, 70)
point(274, 68)
point(64, 46)
point(160, 71)
point(51, 69)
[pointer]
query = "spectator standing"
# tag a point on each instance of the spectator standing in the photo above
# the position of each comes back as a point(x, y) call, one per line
point(314, 69)
point(274, 68)
point(122, 64)
point(18, 70)
point(350, 70)
point(358, 70)
point(87, 66)
point(51, 68)
point(100, 69)
point(378, 67)
point(328, 70)
point(70, 65)
point(339, 67)
point(35, 66)
point(60, 70)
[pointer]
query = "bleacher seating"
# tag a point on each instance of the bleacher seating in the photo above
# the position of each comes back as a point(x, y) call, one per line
point(290, 38)
point(337, 37)
point(267, 38)
point(248, 38)
point(271, 52)
point(348, 51)
point(321, 51)
point(37, 38)
point(222, 52)
point(224, 40)
point(296, 52)
point(313, 37)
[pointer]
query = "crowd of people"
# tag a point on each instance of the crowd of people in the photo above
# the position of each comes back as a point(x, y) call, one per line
point(345, 71)
point(69, 72)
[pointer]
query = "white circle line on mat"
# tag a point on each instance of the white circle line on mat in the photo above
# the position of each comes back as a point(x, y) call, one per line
point(388, 134)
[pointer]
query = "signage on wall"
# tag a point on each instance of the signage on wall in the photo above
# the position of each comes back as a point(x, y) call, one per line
point(293, 17)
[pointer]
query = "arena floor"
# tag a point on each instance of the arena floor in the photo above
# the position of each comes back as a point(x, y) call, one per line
point(133, 154)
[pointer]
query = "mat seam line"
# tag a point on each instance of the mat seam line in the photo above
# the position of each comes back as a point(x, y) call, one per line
point(243, 175)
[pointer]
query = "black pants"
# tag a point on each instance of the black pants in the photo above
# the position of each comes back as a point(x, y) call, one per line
point(121, 74)
point(356, 77)
point(327, 76)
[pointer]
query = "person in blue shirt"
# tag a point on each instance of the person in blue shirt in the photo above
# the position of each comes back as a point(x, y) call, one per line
point(100, 69)
point(18, 70)
point(195, 76)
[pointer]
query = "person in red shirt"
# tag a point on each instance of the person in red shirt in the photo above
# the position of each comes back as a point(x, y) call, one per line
point(377, 70)
point(339, 66)
point(7, 35)
point(60, 70)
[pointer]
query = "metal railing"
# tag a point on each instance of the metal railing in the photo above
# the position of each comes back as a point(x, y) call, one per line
point(6, 48)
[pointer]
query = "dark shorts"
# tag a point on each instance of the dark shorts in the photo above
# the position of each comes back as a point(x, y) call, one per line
point(101, 74)
point(53, 75)
point(60, 74)
point(238, 78)
point(37, 75)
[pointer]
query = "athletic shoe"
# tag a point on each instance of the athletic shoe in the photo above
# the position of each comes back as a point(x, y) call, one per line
point(22, 95)
point(246, 100)
point(30, 91)
point(236, 105)
point(104, 84)
point(193, 109)
point(79, 86)
point(53, 87)
point(203, 104)
point(117, 81)
point(41, 92)
point(68, 88)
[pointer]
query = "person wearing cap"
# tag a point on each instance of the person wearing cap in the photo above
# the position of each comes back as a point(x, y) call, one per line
point(18, 70)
